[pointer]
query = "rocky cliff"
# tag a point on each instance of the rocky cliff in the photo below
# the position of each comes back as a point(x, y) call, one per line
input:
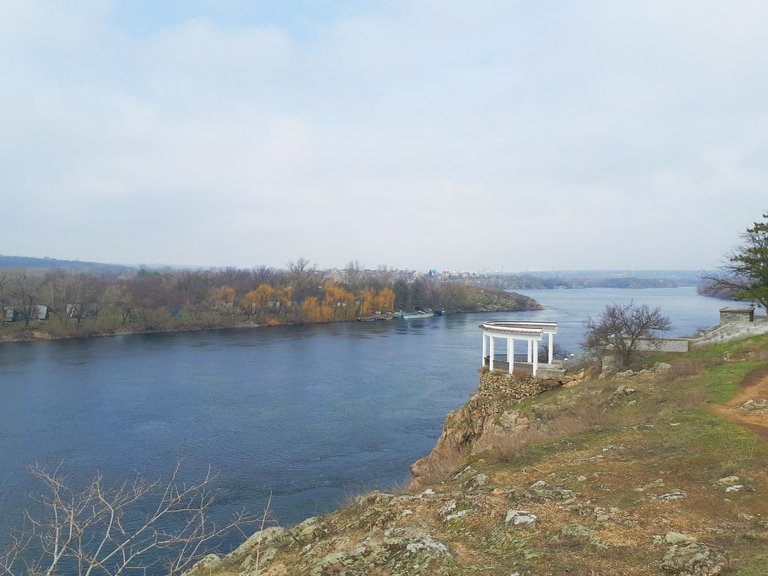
point(488, 416)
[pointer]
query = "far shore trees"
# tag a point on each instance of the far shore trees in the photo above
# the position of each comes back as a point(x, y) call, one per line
point(166, 299)
point(620, 329)
point(745, 273)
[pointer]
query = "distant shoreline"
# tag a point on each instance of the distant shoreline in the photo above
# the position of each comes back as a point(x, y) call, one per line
point(39, 334)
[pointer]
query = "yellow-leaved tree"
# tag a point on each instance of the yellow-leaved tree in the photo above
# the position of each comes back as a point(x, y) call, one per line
point(256, 301)
point(339, 300)
point(384, 301)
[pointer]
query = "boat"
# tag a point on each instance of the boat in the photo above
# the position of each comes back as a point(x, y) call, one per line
point(374, 318)
point(418, 314)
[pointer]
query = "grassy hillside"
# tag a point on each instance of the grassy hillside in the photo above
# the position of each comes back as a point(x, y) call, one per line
point(661, 471)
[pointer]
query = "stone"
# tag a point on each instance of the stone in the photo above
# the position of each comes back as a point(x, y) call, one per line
point(520, 517)
point(623, 391)
point(456, 515)
point(508, 419)
point(728, 480)
point(693, 558)
point(208, 563)
point(259, 540)
point(449, 506)
point(751, 405)
point(429, 544)
point(735, 488)
point(673, 496)
point(478, 481)
point(676, 538)
point(309, 528)
point(575, 531)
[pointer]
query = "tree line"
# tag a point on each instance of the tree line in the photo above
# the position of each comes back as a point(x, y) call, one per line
point(156, 299)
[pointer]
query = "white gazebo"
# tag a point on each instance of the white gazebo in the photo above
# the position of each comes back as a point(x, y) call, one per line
point(532, 333)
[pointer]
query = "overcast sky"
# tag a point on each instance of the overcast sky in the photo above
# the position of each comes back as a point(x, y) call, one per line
point(528, 135)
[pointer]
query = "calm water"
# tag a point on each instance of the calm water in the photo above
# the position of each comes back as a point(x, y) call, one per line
point(310, 414)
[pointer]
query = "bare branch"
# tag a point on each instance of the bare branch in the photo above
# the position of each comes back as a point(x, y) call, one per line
point(101, 529)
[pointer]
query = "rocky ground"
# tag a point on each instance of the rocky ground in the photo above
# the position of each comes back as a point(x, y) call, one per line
point(660, 470)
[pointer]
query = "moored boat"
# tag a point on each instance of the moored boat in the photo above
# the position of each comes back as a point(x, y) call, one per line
point(418, 314)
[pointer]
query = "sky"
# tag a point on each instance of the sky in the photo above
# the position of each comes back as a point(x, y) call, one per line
point(520, 135)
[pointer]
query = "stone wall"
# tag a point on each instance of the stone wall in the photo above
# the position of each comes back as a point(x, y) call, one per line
point(664, 345)
point(512, 386)
point(733, 331)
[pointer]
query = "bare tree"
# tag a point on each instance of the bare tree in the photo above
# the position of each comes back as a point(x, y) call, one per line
point(3, 295)
point(304, 278)
point(66, 294)
point(622, 328)
point(354, 277)
point(745, 274)
point(263, 275)
point(118, 299)
point(24, 289)
point(138, 527)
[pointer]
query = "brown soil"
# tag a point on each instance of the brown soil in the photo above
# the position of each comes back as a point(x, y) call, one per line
point(754, 387)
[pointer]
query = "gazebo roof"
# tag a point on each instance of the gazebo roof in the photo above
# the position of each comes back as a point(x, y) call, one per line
point(520, 328)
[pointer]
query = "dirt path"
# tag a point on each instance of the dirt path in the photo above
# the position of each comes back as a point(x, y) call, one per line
point(752, 414)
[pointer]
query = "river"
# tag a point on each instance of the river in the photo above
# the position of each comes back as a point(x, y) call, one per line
point(310, 414)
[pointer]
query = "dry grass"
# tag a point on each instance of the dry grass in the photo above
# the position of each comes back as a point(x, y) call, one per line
point(683, 368)
point(441, 469)
point(596, 411)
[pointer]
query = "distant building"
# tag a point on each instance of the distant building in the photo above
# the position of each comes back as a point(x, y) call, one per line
point(736, 314)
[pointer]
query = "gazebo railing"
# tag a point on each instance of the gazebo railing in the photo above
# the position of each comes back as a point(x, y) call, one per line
point(500, 363)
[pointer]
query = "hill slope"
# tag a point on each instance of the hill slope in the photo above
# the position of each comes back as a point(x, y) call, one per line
point(655, 472)
point(29, 262)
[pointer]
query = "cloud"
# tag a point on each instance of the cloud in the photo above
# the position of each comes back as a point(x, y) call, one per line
point(418, 134)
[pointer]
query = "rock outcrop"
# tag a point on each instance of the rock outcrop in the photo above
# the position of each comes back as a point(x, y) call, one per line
point(489, 412)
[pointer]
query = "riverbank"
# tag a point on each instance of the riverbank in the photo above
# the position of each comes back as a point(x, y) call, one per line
point(40, 334)
point(163, 322)
point(648, 472)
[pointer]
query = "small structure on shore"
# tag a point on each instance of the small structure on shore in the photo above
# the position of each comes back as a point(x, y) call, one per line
point(531, 333)
point(737, 314)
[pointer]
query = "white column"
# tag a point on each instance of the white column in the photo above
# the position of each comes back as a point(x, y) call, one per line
point(485, 351)
point(529, 351)
point(490, 364)
point(512, 355)
point(551, 347)
point(535, 361)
